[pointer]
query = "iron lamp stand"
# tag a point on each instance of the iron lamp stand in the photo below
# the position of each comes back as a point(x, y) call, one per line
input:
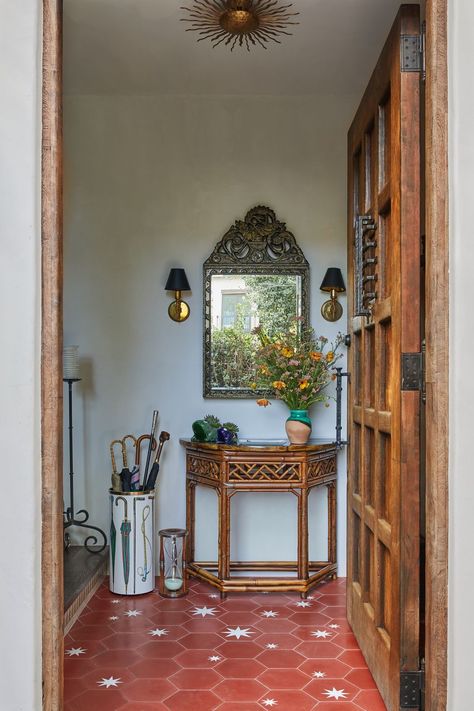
point(70, 517)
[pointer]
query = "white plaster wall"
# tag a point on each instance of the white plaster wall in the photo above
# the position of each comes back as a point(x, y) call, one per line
point(461, 558)
point(20, 617)
point(153, 183)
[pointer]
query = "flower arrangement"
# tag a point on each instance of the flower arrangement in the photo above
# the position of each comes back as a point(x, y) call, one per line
point(296, 366)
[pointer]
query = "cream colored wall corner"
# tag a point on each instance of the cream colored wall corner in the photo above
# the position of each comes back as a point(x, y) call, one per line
point(153, 183)
point(461, 484)
point(20, 531)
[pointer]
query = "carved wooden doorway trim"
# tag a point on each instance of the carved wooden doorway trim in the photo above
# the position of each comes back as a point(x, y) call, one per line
point(437, 303)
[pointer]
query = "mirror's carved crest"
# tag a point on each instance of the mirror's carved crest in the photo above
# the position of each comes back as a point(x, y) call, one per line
point(257, 239)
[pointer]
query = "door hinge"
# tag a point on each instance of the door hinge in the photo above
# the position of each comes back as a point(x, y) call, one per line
point(413, 53)
point(413, 371)
point(411, 689)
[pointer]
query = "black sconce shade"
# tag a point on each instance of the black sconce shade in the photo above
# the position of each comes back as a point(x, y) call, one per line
point(177, 281)
point(333, 280)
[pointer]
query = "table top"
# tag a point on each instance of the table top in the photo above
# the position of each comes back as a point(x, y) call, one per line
point(272, 445)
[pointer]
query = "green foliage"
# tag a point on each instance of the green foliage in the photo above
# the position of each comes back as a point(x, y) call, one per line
point(231, 426)
point(276, 298)
point(232, 357)
point(212, 420)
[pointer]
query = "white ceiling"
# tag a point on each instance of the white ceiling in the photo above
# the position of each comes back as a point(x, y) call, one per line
point(140, 47)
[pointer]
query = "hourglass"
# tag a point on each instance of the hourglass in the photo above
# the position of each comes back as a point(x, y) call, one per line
point(173, 581)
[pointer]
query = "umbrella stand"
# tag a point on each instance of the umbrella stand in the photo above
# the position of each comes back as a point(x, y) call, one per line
point(125, 530)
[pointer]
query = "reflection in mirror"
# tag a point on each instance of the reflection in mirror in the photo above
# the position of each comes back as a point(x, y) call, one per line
point(256, 276)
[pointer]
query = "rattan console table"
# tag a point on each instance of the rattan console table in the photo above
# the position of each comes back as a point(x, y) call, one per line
point(261, 466)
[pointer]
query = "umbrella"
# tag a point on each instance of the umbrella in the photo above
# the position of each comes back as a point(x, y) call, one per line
point(116, 480)
point(125, 530)
point(136, 468)
point(126, 474)
point(150, 482)
point(154, 425)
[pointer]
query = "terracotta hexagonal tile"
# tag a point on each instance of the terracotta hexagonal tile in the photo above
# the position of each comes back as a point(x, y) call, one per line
point(239, 649)
point(73, 687)
point(94, 632)
point(125, 640)
point(281, 611)
point(331, 668)
point(197, 658)
point(284, 679)
point(161, 619)
point(283, 641)
point(75, 668)
point(118, 658)
point(353, 658)
point(362, 678)
point(346, 640)
point(242, 619)
point(290, 700)
point(97, 700)
point(239, 690)
point(239, 604)
point(281, 659)
point(339, 705)
point(148, 690)
point(320, 689)
point(370, 701)
point(154, 668)
point(310, 618)
point(143, 706)
point(196, 679)
point(240, 668)
point(284, 626)
point(192, 701)
point(199, 625)
point(201, 641)
point(160, 649)
point(93, 647)
point(319, 650)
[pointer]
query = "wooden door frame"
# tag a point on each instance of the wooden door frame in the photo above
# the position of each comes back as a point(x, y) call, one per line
point(437, 362)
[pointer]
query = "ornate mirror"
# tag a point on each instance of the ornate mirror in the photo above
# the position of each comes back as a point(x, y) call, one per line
point(256, 276)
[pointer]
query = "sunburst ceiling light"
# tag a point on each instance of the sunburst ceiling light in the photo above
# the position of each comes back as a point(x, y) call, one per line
point(240, 22)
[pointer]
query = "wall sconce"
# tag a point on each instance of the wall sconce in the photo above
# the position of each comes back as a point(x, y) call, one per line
point(333, 282)
point(177, 281)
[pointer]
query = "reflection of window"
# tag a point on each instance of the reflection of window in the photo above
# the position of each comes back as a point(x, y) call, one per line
point(231, 311)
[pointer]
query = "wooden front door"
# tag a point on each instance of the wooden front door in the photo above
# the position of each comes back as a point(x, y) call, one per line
point(384, 404)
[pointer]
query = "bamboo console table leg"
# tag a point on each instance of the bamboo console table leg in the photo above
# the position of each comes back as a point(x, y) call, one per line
point(190, 518)
point(224, 537)
point(332, 530)
point(303, 567)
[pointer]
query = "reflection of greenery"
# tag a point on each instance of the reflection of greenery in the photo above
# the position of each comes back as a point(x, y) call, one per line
point(232, 356)
point(233, 349)
point(276, 299)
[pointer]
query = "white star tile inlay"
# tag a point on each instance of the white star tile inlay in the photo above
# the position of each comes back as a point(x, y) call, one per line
point(238, 632)
point(335, 627)
point(269, 613)
point(158, 633)
point(204, 611)
point(271, 645)
point(115, 602)
point(111, 681)
point(335, 693)
point(132, 613)
point(321, 634)
point(215, 658)
point(303, 603)
point(319, 674)
point(75, 651)
point(114, 617)
point(269, 702)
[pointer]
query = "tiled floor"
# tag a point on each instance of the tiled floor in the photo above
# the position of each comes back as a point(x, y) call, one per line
point(199, 653)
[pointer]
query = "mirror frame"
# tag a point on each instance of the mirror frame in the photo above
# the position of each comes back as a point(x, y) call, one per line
point(259, 244)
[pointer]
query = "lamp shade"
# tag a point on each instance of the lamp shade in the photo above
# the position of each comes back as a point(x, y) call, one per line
point(177, 281)
point(333, 280)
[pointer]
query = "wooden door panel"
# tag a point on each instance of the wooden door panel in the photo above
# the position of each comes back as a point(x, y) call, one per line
point(383, 489)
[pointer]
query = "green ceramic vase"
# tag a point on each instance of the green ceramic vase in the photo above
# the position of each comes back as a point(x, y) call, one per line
point(298, 426)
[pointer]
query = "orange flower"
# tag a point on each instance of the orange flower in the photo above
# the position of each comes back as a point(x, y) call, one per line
point(263, 402)
point(330, 357)
point(304, 384)
point(279, 384)
point(253, 386)
point(264, 370)
point(287, 352)
point(315, 355)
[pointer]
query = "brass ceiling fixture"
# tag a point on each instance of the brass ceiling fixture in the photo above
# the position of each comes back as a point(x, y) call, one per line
point(240, 22)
